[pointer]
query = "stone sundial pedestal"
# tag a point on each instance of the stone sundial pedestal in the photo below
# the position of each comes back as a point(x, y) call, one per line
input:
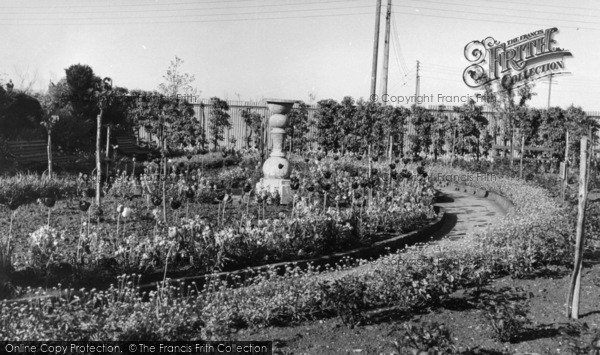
point(276, 169)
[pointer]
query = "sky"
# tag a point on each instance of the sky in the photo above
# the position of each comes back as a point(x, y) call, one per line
point(291, 49)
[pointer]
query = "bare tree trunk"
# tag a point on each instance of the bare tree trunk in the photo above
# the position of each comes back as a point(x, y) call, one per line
point(98, 157)
point(49, 149)
point(522, 156)
point(566, 176)
point(453, 146)
point(107, 142)
point(575, 287)
point(512, 146)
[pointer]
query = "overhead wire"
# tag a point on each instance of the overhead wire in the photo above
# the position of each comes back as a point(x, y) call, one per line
point(504, 8)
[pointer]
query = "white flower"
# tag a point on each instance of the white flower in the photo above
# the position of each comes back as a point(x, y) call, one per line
point(126, 212)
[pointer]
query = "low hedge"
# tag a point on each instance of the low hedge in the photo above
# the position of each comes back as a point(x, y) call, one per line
point(27, 188)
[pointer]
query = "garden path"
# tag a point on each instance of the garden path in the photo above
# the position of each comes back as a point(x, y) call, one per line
point(465, 214)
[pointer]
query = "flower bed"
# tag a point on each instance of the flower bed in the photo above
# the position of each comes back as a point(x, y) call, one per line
point(337, 207)
point(527, 240)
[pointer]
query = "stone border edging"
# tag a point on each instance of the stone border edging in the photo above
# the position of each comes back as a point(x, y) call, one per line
point(375, 250)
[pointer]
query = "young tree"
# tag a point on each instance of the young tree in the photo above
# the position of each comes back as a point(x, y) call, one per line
point(370, 123)
point(218, 120)
point(254, 121)
point(422, 121)
point(178, 83)
point(470, 125)
point(297, 131)
point(325, 120)
point(552, 131)
point(49, 120)
point(579, 125)
point(394, 127)
point(26, 79)
point(170, 118)
point(346, 123)
point(502, 99)
point(442, 133)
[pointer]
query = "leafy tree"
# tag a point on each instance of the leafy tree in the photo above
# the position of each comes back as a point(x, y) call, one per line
point(254, 121)
point(422, 121)
point(440, 129)
point(395, 125)
point(82, 83)
point(177, 83)
point(50, 118)
point(347, 124)
point(471, 124)
point(552, 130)
point(73, 130)
point(298, 131)
point(218, 120)
point(170, 118)
point(579, 125)
point(369, 127)
point(508, 101)
point(325, 120)
point(19, 114)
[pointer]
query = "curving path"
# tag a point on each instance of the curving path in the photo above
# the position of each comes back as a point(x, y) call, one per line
point(465, 214)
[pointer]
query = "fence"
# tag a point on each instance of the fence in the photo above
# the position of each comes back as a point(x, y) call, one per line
point(238, 131)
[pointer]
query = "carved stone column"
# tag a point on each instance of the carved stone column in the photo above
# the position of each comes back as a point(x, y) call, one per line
point(276, 169)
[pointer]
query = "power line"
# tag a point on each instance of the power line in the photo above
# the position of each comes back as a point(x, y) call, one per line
point(175, 9)
point(124, 5)
point(486, 20)
point(537, 11)
point(291, 17)
point(179, 22)
point(489, 14)
point(218, 14)
point(397, 39)
point(547, 5)
point(440, 65)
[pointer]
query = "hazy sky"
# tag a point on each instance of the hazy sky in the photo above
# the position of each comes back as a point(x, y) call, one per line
point(251, 49)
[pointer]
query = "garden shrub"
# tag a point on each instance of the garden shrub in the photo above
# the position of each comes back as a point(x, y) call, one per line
point(506, 311)
point(348, 297)
point(27, 188)
point(427, 337)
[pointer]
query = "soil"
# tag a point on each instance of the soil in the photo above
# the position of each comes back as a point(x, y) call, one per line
point(548, 333)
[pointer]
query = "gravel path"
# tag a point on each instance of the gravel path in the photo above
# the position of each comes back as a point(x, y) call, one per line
point(465, 214)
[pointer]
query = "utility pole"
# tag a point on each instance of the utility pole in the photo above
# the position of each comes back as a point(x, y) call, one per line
point(375, 48)
point(549, 89)
point(418, 82)
point(386, 51)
